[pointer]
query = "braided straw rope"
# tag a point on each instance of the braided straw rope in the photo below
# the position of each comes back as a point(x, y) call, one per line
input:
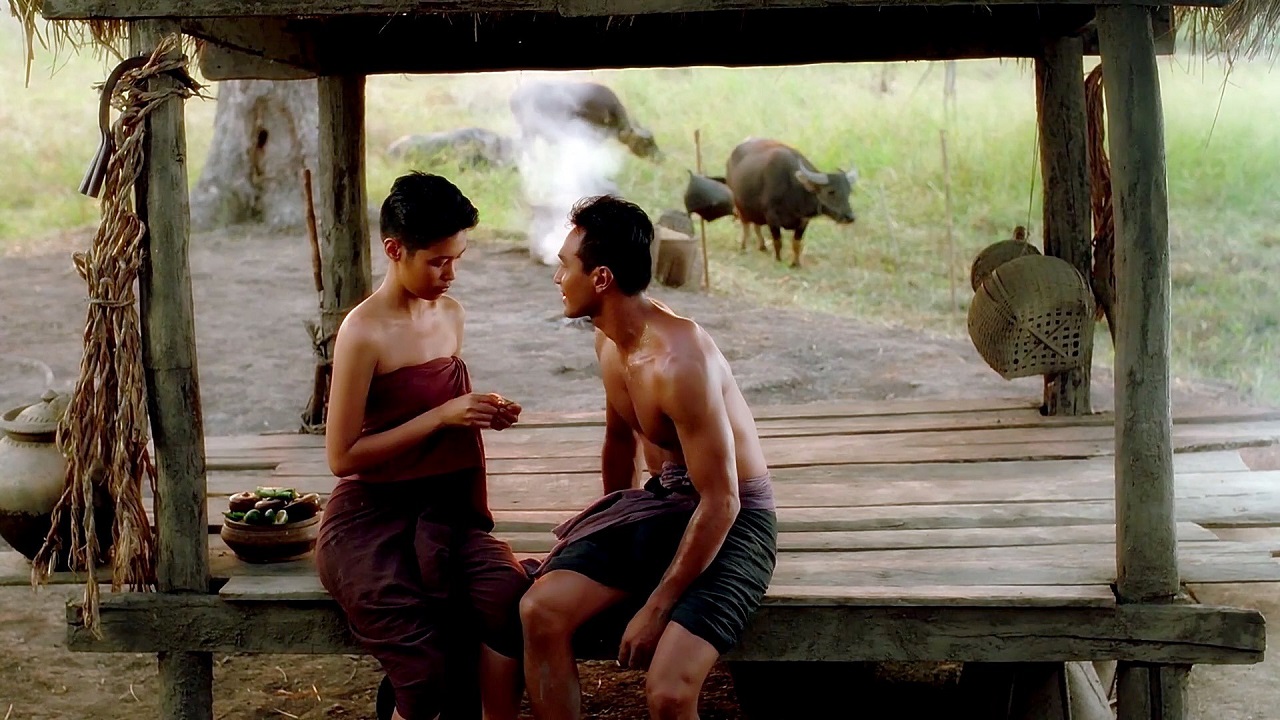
point(1104, 234)
point(104, 432)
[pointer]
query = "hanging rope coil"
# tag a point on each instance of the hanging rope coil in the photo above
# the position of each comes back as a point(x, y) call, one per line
point(104, 433)
point(1104, 234)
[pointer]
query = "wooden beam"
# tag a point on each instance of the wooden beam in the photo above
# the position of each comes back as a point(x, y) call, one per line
point(223, 63)
point(173, 389)
point(1147, 561)
point(229, 57)
point(368, 46)
point(342, 212)
point(1162, 28)
point(233, 57)
point(1064, 168)
point(136, 622)
point(133, 9)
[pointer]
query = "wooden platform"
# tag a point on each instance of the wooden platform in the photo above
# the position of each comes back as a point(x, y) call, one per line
point(954, 530)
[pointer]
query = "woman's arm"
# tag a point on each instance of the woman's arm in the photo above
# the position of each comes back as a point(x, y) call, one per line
point(355, 356)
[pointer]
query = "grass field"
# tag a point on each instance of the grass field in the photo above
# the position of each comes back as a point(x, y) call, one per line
point(894, 266)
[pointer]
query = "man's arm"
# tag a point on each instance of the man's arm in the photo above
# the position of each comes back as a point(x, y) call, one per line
point(691, 396)
point(618, 456)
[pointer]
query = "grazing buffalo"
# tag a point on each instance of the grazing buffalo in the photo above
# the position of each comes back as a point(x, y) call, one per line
point(551, 109)
point(774, 185)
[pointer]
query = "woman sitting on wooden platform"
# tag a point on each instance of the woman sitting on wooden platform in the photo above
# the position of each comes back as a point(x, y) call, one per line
point(405, 546)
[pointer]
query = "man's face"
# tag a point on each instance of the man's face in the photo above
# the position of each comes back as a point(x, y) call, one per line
point(577, 288)
point(428, 273)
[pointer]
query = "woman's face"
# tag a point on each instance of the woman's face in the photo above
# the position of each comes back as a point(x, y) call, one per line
point(429, 272)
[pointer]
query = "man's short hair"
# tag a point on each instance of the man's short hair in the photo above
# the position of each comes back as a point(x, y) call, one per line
point(423, 209)
point(616, 234)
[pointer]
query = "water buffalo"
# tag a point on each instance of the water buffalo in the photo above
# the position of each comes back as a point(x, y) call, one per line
point(774, 185)
point(549, 109)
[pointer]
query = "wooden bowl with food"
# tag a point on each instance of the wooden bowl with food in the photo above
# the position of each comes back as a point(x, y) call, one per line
point(271, 524)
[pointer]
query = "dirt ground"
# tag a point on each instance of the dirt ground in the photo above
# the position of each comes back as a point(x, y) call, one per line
point(253, 291)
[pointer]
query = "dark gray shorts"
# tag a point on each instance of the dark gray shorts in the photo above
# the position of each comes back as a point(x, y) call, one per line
point(718, 604)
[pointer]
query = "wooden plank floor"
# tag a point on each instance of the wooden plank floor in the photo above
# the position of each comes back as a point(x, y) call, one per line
point(935, 503)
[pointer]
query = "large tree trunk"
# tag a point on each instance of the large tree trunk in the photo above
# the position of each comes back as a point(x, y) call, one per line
point(264, 132)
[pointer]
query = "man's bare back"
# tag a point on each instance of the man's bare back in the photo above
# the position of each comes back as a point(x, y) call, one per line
point(634, 382)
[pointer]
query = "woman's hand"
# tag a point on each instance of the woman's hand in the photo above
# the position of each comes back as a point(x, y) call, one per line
point(473, 410)
point(508, 414)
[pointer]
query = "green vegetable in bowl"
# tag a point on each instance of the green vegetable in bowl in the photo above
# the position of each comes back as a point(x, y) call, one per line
point(267, 493)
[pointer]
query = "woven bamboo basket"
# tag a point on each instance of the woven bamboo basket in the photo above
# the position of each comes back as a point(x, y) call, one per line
point(1032, 316)
point(995, 255)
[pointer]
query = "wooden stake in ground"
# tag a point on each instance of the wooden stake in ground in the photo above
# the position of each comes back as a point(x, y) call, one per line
point(951, 245)
point(313, 417)
point(706, 268)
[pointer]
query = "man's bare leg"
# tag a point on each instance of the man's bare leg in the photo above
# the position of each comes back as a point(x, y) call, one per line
point(551, 611)
point(500, 685)
point(680, 666)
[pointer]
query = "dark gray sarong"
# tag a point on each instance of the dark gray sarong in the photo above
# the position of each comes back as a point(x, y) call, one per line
point(627, 539)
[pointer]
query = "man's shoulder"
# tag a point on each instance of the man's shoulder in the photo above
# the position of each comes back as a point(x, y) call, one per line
point(688, 347)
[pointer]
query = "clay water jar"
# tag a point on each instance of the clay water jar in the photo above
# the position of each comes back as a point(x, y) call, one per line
point(32, 476)
point(32, 471)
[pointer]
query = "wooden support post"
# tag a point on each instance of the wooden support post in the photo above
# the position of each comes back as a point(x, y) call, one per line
point(341, 202)
point(1146, 544)
point(1156, 692)
point(173, 389)
point(1064, 167)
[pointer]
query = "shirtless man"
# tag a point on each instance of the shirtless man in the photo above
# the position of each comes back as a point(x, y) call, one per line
point(695, 548)
point(405, 547)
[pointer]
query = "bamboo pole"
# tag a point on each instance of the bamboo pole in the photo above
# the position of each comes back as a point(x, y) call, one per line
point(951, 243)
point(313, 416)
point(706, 266)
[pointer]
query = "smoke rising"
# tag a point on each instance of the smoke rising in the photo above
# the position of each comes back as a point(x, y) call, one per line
point(562, 161)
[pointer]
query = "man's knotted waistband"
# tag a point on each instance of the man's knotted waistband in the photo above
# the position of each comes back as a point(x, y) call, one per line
point(756, 493)
point(674, 478)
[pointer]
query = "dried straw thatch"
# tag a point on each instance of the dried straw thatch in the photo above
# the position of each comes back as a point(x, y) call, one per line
point(105, 36)
point(1242, 30)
